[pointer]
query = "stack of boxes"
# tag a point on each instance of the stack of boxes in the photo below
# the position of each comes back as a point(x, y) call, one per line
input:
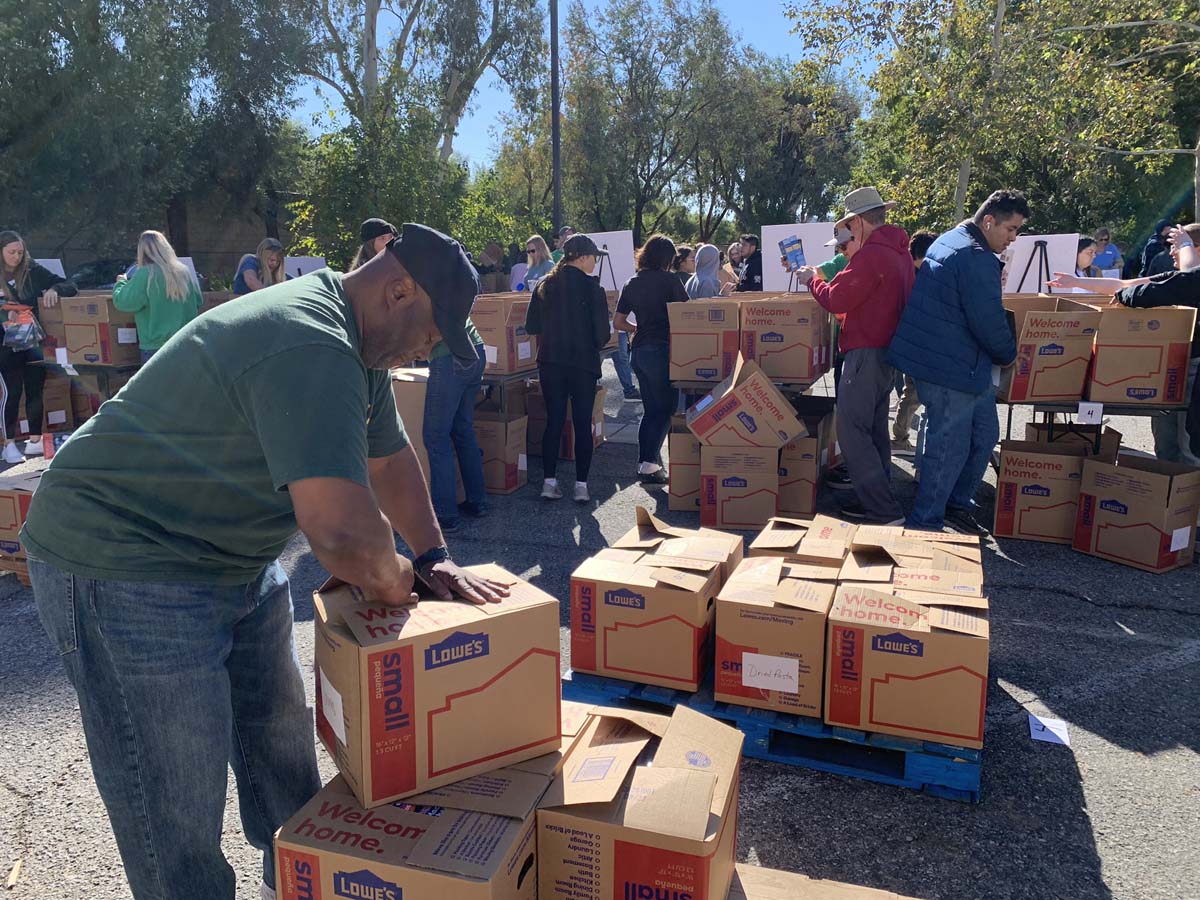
point(500, 320)
point(462, 774)
point(16, 493)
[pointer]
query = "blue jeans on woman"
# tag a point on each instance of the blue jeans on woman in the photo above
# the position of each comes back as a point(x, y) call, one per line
point(449, 433)
point(652, 364)
point(621, 362)
point(960, 436)
point(175, 683)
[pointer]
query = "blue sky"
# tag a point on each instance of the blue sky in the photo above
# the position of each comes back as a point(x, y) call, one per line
point(766, 29)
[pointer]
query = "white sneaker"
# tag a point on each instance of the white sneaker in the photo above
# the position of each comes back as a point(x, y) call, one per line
point(34, 448)
point(551, 490)
point(12, 454)
point(581, 492)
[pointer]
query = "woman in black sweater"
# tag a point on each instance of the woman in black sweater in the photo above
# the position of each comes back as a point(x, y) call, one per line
point(24, 281)
point(570, 313)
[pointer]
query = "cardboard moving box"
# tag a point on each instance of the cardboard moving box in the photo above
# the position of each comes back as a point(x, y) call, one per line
point(739, 486)
point(474, 840)
point(502, 443)
point(787, 337)
point(770, 644)
point(704, 339)
point(1137, 511)
point(411, 698)
point(683, 466)
point(820, 544)
point(756, 883)
point(16, 493)
point(500, 320)
point(1037, 491)
point(1054, 349)
point(1076, 435)
point(909, 668)
point(744, 410)
point(1141, 356)
point(653, 536)
point(611, 828)
point(97, 333)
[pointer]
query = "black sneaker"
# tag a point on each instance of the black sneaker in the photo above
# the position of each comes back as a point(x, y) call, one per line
point(965, 520)
point(632, 394)
point(474, 510)
point(448, 527)
point(854, 510)
point(659, 477)
point(839, 480)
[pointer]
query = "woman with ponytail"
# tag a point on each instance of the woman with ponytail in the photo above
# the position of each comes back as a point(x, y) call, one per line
point(163, 294)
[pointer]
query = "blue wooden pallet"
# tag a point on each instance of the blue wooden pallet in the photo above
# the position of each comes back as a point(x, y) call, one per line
point(942, 770)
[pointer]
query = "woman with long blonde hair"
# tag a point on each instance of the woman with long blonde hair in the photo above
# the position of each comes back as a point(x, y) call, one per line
point(23, 283)
point(537, 254)
point(163, 294)
point(260, 269)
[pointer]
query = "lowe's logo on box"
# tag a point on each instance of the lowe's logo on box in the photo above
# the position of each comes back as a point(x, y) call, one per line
point(734, 482)
point(1052, 350)
point(897, 643)
point(771, 337)
point(1036, 490)
point(748, 422)
point(458, 647)
point(364, 885)
point(706, 373)
point(1145, 393)
point(716, 315)
point(625, 597)
point(1114, 506)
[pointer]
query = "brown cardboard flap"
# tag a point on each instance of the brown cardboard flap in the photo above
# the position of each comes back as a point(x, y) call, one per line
point(654, 723)
point(695, 547)
point(853, 600)
point(469, 844)
point(670, 801)
point(952, 562)
point(645, 518)
point(877, 535)
point(574, 716)
point(812, 572)
point(927, 599)
point(686, 581)
point(373, 624)
point(965, 551)
point(694, 741)
point(942, 537)
point(596, 569)
point(596, 766)
point(818, 550)
point(638, 539)
point(778, 538)
point(756, 883)
point(785, 520)
point(829, 528)
point(961, 621)
point(687, 563)
point(810, 595)
point(966, 584)
point(767, 569)
point(863, 566)
point(505, 792)
point(626, 557)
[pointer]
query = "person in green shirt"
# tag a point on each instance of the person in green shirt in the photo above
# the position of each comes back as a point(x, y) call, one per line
point(163, 294)
point(154, 536)
point(560, 238)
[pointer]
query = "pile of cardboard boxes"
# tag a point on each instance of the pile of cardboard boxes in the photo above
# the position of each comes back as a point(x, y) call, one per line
point(745, 452)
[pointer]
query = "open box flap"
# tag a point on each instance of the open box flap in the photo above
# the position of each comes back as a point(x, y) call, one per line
point(666, 800)
point(507, 792)
point(810, 595)
point(685, 581)
point(694, 741)
point(958, 620)
point(596, 766)
point(625, 557)
point(865, 566)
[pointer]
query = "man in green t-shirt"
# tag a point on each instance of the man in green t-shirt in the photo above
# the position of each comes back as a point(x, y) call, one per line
point(154, 537)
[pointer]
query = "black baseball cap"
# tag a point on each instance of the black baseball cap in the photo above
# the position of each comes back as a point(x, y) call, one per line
point(440, 266)
point(373, 228)
point(566, 229)
point(578, 245)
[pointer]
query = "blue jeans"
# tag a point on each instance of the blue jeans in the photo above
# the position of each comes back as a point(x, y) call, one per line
point(652, 363)
point(621, 362)
point(450, 432)
point(961, 433)
point(175, 682)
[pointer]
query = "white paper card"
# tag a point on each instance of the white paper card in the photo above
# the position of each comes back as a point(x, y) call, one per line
point(56, 416)
point(69, 369)
point(522, 463)
point(771, 673)
point(1051, 731)
point(60, 355)
point(598, 429)
point(331, 707)
point(126, 335)
point(23, 426)
point(1091, 413)
point(1179, 538)
point(995, 376)
point(1110, 273)
point(491, 354)
point(524, 350)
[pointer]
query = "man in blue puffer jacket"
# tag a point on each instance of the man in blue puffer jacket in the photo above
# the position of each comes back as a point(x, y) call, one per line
point(954, 329)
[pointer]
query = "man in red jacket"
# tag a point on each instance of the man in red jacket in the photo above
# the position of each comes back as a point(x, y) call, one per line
point(870, 294)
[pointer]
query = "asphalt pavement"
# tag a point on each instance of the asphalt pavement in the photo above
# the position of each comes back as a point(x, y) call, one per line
point(1112, 651)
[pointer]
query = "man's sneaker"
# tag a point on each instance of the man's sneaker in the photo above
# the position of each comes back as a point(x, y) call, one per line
point(854, 510)
point(659, 477)
point(12, 455)
point(581, 493)
point(903, 447)
point(965, 520)
point(839, 480)
point(632, 394)
point(551, 490)
point(474, 510)
point(449, 526)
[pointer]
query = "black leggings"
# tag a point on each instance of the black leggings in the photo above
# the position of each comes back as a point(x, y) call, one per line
point(559, 384)
point(20, 377)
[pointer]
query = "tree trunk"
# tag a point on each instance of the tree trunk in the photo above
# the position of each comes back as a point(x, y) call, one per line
point(370, 54)
point(454, 112)
point(177, 224)
point(960, 192)
point(271, 213)
point(638, 222)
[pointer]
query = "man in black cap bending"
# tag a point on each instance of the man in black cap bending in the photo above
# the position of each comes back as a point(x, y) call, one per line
point(154, 537)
